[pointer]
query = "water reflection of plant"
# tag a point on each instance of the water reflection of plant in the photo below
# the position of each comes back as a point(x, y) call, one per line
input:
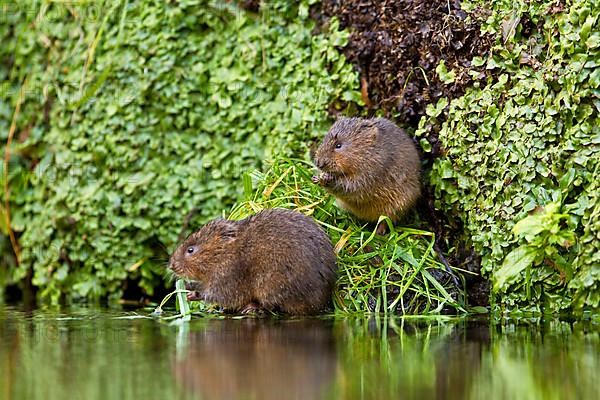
point(99, 354)
point(460, 359)
point(554, 360)
point(82, 353)
point(400, 358)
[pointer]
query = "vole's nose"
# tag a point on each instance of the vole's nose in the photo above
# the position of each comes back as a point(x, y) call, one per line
point(319, 163)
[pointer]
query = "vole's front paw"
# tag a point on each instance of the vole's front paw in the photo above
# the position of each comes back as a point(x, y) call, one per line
point(194, 296)
point(252, 309)
point(382, 228)
point(323, 179)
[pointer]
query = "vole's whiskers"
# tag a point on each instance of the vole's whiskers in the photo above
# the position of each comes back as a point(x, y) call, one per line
point(169, 276)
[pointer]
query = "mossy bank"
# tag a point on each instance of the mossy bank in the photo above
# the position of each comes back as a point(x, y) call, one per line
point(521, 157)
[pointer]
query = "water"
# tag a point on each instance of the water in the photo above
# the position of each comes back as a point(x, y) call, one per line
point(112, 354)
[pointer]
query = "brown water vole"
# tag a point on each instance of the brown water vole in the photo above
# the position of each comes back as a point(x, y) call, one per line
point(371, 166)
point(277, 260)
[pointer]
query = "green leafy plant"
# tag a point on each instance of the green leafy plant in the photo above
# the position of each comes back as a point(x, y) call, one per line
point(521, 155)
point(545, 237)
point(143, 113)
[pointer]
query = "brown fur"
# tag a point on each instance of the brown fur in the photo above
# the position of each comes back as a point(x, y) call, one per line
point(277, 260)
point(375, 172)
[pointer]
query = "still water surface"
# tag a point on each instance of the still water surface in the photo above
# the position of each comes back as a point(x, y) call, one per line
point(90, 354)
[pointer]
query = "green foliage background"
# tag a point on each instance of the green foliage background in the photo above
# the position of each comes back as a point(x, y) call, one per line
point(157, 108)
point(523, 156)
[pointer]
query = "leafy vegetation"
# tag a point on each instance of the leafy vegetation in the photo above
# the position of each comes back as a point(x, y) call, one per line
point(136, 114)
point(522, 156)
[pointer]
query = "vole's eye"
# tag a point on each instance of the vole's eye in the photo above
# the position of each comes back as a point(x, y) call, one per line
point(191, 250)
point(338, 145)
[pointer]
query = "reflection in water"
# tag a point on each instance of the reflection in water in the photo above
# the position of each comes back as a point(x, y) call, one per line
point(532, 360)
point(470, 360)
point(385, 359)
point(82, 354)
point(460, 352)
point(103, 354)
point(256, 359)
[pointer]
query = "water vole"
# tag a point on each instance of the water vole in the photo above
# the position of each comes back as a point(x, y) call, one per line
point(371, 166)
point(277, 260)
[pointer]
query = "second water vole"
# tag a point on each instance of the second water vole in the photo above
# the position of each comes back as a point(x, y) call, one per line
point(371, 166)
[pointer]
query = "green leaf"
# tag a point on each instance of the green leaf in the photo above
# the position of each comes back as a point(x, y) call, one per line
point(514, 263)
point(247, 181)
point(593, 41)
point(445, 76)
point(3, 225)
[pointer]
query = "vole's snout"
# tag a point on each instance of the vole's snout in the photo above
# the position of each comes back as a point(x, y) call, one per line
point(320, 163)
point(174, 266)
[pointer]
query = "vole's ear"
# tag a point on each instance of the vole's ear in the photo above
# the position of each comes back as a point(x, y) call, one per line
point(371, 131)
point(230, 230)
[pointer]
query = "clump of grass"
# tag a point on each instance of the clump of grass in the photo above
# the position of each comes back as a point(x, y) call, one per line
point(395, 273)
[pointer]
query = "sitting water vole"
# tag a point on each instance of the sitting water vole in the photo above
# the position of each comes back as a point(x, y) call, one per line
point(371, 166)
point(277, 260)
